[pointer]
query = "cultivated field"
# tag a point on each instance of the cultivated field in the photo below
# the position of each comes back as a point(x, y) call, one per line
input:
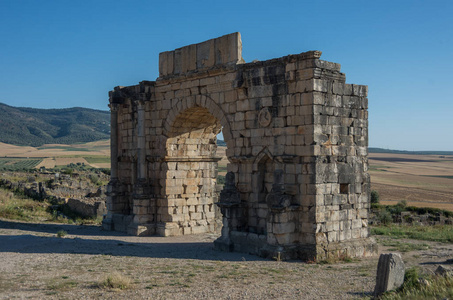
point(421, 180)
point(95, 154)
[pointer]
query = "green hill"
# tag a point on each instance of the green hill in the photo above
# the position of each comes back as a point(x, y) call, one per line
point(34, 127)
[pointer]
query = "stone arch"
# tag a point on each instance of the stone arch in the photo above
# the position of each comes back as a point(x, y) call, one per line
point(193, 134)
point(199, 101)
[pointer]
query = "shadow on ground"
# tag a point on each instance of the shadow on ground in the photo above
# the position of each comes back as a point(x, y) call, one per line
point(89, 230)
point(91, 240)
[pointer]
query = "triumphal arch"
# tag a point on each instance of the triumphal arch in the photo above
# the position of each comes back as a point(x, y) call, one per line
point(296, 135)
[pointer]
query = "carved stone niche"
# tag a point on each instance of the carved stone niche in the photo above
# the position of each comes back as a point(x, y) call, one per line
point(230, 194)
point(277, 199)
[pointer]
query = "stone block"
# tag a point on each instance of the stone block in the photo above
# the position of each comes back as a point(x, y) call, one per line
point(187, 230)
point(280, 228)
point(195, 216)
point(444, 271)
point(205, 54)
point(169, 229)
point(228, 49)
point(199, 229)
point(390, 273)
point(284, 239)
point(177, 63)
point(332, 236)
point(356, 233)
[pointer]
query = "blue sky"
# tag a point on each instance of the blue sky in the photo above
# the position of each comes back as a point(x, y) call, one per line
point(57, 54)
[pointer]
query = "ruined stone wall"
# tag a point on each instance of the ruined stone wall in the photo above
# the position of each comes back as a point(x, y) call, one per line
point(296, 137)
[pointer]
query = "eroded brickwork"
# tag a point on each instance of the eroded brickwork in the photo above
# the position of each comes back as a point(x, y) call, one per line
point(296, 135)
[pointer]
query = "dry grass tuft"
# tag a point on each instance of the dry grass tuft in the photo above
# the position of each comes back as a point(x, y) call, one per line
point(116, 281)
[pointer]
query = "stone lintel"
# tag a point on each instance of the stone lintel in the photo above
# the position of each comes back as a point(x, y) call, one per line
point(192, 159)
point(147, 83)
point(196, 74)
point(314, 54)
point(227, 204)
point(225, 50)
point(155, 158)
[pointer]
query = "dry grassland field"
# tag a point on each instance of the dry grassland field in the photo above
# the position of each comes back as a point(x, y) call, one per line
point(421, 180)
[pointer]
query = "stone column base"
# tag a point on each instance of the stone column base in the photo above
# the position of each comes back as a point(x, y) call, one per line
point(363, 247)
point(117, 222)
point(168, 229)
point(252, 243)
point(174, 229)
point(107, 224)
point(223, 244)
point(141, 230)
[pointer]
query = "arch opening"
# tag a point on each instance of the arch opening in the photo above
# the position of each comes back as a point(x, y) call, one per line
point(190, 187)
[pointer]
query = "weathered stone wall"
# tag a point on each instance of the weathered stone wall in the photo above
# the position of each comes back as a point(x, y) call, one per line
point(88, 204)
point(87, 209)
point(296, 138)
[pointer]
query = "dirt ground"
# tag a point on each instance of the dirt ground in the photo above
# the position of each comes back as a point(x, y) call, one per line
point(36, 264)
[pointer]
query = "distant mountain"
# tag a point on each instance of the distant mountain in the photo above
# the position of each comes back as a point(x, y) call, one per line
point(34, 127)
point(381, 150)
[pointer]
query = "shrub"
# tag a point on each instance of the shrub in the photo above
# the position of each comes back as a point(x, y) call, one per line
point(402, 203)
point(61, 233)
point(397, 208)
point(94, 179)
point(220, 179)
point(384, 216)
point(411, 278)
point(105, 171)
point(374, 197)
point(67, 171)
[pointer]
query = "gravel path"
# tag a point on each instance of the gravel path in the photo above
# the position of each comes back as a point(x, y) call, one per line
point(35, 263)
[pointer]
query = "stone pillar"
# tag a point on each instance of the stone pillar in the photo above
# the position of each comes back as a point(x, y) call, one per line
point(113, 141)
point(113, 188)
point(141, 151)
point(144, 218)
point(230, 206)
